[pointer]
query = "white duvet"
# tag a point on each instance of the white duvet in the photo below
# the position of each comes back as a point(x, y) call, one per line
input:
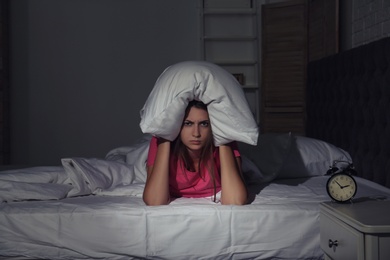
point(90, 208)
point(122, 167)
point(282, 222)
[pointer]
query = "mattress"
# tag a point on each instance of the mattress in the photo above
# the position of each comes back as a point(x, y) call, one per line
point(281, 222)
point(90, 208)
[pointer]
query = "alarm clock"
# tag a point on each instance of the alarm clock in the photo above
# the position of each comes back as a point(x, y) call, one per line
point(341, 186)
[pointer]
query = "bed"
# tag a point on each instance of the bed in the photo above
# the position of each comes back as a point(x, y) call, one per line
point(91, 208)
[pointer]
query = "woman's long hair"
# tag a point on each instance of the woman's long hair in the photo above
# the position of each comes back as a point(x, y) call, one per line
point(206, 160)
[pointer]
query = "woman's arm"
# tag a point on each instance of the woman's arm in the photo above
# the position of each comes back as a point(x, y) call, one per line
point(156, 190)
point(232, 184)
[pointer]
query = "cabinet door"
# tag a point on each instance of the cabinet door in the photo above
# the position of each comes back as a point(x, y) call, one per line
point(350, 242)
point(377, 246)
point(284, 59)
point(293, 33)
point(384, 248)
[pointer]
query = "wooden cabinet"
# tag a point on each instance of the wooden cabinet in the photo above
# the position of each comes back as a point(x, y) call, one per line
point(356, 231)
point(284, 59)
point(293, 33)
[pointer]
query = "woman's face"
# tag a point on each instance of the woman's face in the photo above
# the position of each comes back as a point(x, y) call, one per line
point(196, 129)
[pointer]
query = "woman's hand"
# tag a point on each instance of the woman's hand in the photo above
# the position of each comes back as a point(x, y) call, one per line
point(156, 190)
point(232, 184)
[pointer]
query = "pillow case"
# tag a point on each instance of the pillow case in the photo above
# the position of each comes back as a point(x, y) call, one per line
point(230, 116)
point(269, 156)
point(284, 156)
point(310, 157)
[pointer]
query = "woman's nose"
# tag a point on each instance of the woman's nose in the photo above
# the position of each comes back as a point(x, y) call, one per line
point(195, 131)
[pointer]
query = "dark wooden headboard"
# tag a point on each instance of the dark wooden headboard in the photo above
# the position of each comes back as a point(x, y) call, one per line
point(348, 105)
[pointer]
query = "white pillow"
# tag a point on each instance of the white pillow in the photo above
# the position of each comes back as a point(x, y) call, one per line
point(311, 157)
point(230, 115)
point(269, 156)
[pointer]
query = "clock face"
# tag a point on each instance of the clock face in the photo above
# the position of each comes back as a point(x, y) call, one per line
point(341, 187)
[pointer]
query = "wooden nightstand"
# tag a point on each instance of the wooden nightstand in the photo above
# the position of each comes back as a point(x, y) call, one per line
point(356, 231)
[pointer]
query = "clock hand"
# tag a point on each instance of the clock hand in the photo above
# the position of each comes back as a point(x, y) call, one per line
point(345, 186)
point(339, 184)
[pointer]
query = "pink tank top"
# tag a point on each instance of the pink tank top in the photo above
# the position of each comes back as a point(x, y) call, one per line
point(184, 183)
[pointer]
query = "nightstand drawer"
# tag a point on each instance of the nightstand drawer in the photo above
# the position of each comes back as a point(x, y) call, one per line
point(339, 240)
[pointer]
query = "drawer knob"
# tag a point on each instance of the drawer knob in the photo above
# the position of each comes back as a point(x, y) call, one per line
point(333, 243)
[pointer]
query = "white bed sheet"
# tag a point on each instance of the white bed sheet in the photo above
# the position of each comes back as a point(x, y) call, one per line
point(282, 222)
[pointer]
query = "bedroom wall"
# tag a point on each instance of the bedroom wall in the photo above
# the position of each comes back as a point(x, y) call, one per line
point(81, 71)
point(370, 21)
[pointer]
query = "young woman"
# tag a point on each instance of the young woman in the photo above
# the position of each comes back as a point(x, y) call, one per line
point(191, 166)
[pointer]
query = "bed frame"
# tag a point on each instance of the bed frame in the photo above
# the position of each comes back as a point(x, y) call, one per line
point(348, 104)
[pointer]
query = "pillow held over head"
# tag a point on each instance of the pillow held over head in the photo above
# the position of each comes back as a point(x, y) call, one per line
point(230, 116)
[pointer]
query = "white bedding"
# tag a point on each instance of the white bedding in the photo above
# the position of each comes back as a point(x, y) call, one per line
point(93, 209)
point(281, 222)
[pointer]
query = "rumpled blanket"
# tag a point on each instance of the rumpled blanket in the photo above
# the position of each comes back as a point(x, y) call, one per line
point(122, 172)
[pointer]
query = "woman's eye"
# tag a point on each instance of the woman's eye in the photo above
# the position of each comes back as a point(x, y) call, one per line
point(205, 124)
point(187, 123)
